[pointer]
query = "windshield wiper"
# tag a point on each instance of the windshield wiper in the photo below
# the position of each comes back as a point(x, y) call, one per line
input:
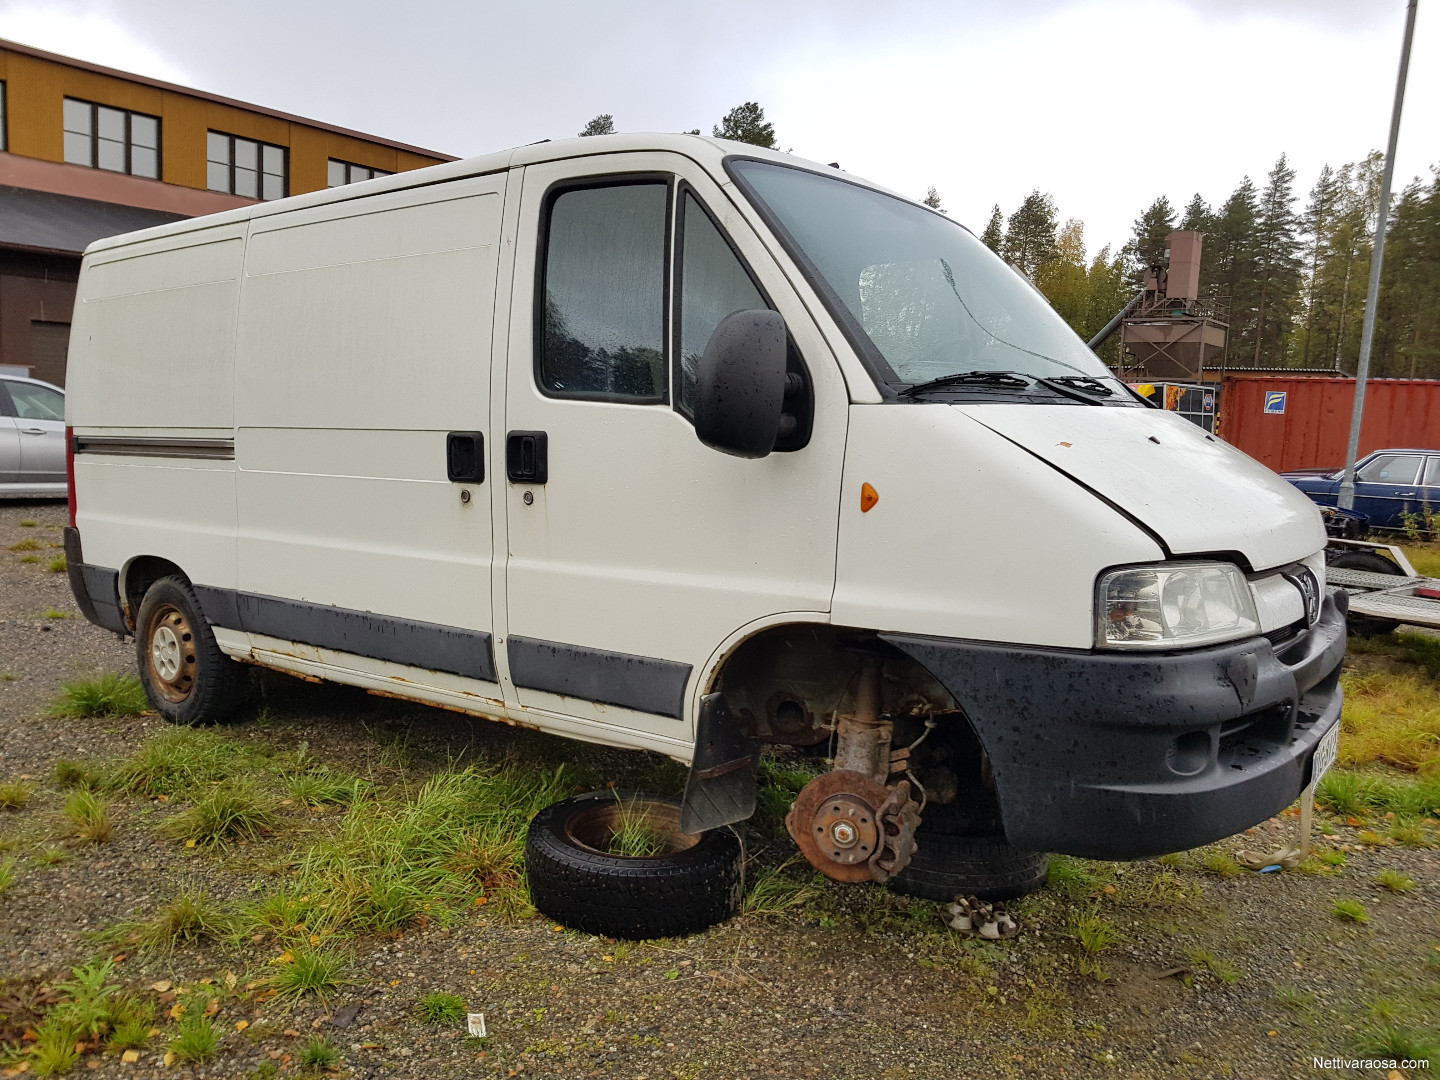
point(970, 378)
point(1074, 393)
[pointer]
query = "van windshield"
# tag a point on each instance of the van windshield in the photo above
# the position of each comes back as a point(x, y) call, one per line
point(920, 294)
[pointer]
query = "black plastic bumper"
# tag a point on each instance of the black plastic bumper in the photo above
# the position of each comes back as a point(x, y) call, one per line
point(96, 589)
point(1128, 755)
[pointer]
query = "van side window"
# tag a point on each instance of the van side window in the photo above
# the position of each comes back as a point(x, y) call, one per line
point(601, 331)
point(713, 284)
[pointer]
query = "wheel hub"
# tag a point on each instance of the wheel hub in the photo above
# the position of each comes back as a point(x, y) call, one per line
point(172, 654)
point(835, 825)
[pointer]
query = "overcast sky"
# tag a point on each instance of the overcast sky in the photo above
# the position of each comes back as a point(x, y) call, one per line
point(1103, 104)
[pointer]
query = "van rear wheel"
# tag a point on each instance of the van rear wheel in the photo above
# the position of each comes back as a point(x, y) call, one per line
point(945, 866)
point(185, 675)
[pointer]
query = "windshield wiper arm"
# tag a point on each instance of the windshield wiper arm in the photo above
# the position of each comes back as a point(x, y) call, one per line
point(1074, 393)
point(970, 378)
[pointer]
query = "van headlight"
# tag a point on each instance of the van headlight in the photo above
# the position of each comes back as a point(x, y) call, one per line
point(1173, 605)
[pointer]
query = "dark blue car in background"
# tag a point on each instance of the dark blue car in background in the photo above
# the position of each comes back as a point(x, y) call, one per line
point(1388, 485)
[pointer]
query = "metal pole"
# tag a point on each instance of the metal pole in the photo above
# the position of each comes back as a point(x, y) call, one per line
point(1377, 256)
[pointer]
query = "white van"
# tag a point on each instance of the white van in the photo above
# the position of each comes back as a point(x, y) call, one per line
point(671, 443)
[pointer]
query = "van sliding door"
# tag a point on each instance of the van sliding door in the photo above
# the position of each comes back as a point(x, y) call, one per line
point(365, 338)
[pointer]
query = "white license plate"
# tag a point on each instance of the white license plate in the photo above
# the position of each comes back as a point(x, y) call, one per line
point(1325, 755)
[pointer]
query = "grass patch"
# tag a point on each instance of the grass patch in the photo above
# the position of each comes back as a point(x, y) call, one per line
point(28, 544)
point(321, 787)
point(14, 795)
point(196, 1039)
point(303, 970)
point(30, 558)
point(57, 565)
point(778, 786)
point(105, 695)
point(318, 1055)
point(1391, 718)
point(1357, 794)
point(1392, 1041)
point(233, 810)
point(177, 763)
point(774, 892)
point(635, 836)
point(90, 815)
point(29, 523)
point(1222, 969)
point(1094, 935)
point(1076, 878)
point(7, 872)
point(75, 774)
point(56, 613)
point(440, 1008)
point(51, 856)
point(189, 918)
point(1394, 881)
point(462, 835)
point(91, 1010)
point(1222, 865)
point(1351, 911)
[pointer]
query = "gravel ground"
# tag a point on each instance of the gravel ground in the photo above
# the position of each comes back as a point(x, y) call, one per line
point(859, 986)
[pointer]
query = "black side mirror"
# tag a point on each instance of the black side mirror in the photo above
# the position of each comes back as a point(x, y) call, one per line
point(740, 384)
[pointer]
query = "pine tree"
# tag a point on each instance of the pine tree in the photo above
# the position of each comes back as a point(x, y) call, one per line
point(1062, 279)
point(1230, 254)
point(1198, 216)
point(746, 123)
point(1324, 197)
point(994, 235)
point(1030, 234)
point(1278, 262)
point(1152, 230)
point(1407, 320)
point(604, 124)
point(932, 198)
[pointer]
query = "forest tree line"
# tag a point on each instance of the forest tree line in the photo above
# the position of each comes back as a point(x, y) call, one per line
point(1293, 276)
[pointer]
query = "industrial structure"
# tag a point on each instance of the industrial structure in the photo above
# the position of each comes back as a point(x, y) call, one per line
point(88, 151)
point(1170, 332)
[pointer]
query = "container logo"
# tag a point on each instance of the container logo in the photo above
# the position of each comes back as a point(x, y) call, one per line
point(1275, 401)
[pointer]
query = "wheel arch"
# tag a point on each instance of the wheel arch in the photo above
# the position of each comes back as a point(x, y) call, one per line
point(136, 577)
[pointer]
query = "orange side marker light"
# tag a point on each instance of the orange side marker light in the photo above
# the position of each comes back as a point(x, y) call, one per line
point(868, 498)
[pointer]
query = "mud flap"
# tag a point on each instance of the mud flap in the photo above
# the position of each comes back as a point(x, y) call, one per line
point(720, 789)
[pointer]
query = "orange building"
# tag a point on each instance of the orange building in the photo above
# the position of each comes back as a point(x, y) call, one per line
point(87, 151)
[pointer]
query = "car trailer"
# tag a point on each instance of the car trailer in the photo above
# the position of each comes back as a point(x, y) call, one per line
point(1384, 588)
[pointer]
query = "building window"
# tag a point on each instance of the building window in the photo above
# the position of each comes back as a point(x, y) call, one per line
point(245, 167)
point(116, 140)
point(343, 172)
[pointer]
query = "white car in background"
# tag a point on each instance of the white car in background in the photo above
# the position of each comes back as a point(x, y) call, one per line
point(32, 439)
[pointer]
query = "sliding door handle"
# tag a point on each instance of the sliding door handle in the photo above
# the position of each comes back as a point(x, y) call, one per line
point(527, 458)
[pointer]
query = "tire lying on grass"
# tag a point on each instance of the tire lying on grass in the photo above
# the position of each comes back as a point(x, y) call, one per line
point(617, 864)
point(946, 866)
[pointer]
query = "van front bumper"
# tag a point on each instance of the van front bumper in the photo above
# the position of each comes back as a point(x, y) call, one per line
point(1131, 755)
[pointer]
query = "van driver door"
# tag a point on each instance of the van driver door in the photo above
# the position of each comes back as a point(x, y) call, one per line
point(635, 552)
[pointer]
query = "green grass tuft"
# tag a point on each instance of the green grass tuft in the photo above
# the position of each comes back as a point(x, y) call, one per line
point(635, 835)
point(57, 565)
point(106, 695)
point(7, 872)
point(75, 774)
point(1222, 969)
point(319, 971)
point(56, 613)
point(1394, 881)
point(1076, 878)
point(28, 544)
point(1351, 911)
point(233, 810)
point(188, 918)
point(90, 815)
point(1222, 865)
point(441, 1008)
point(14, 795)
point(196, 1039)
point(318, 1055)
point(773, 891)
point(183, 762)
point(29, 523)
point(321, 787)
point(1390, 1041)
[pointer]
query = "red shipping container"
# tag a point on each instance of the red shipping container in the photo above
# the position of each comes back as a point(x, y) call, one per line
point(1304, 423)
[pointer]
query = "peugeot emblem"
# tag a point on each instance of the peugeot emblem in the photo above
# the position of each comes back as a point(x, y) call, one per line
point(1303, 578)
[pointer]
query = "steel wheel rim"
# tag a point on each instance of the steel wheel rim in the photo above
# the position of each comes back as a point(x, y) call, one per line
point(171, 656)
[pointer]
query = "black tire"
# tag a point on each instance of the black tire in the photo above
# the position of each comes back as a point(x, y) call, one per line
point(946, 866)
point(1367, 561)
point(692, 885)
point(186, 676)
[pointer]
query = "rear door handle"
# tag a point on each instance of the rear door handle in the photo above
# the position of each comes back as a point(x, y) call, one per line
point(33, 430)
point(1404, 493)
point(527, 457)
point(465, 457)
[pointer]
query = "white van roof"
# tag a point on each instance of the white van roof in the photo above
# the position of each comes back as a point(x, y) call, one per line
point(705, 150)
